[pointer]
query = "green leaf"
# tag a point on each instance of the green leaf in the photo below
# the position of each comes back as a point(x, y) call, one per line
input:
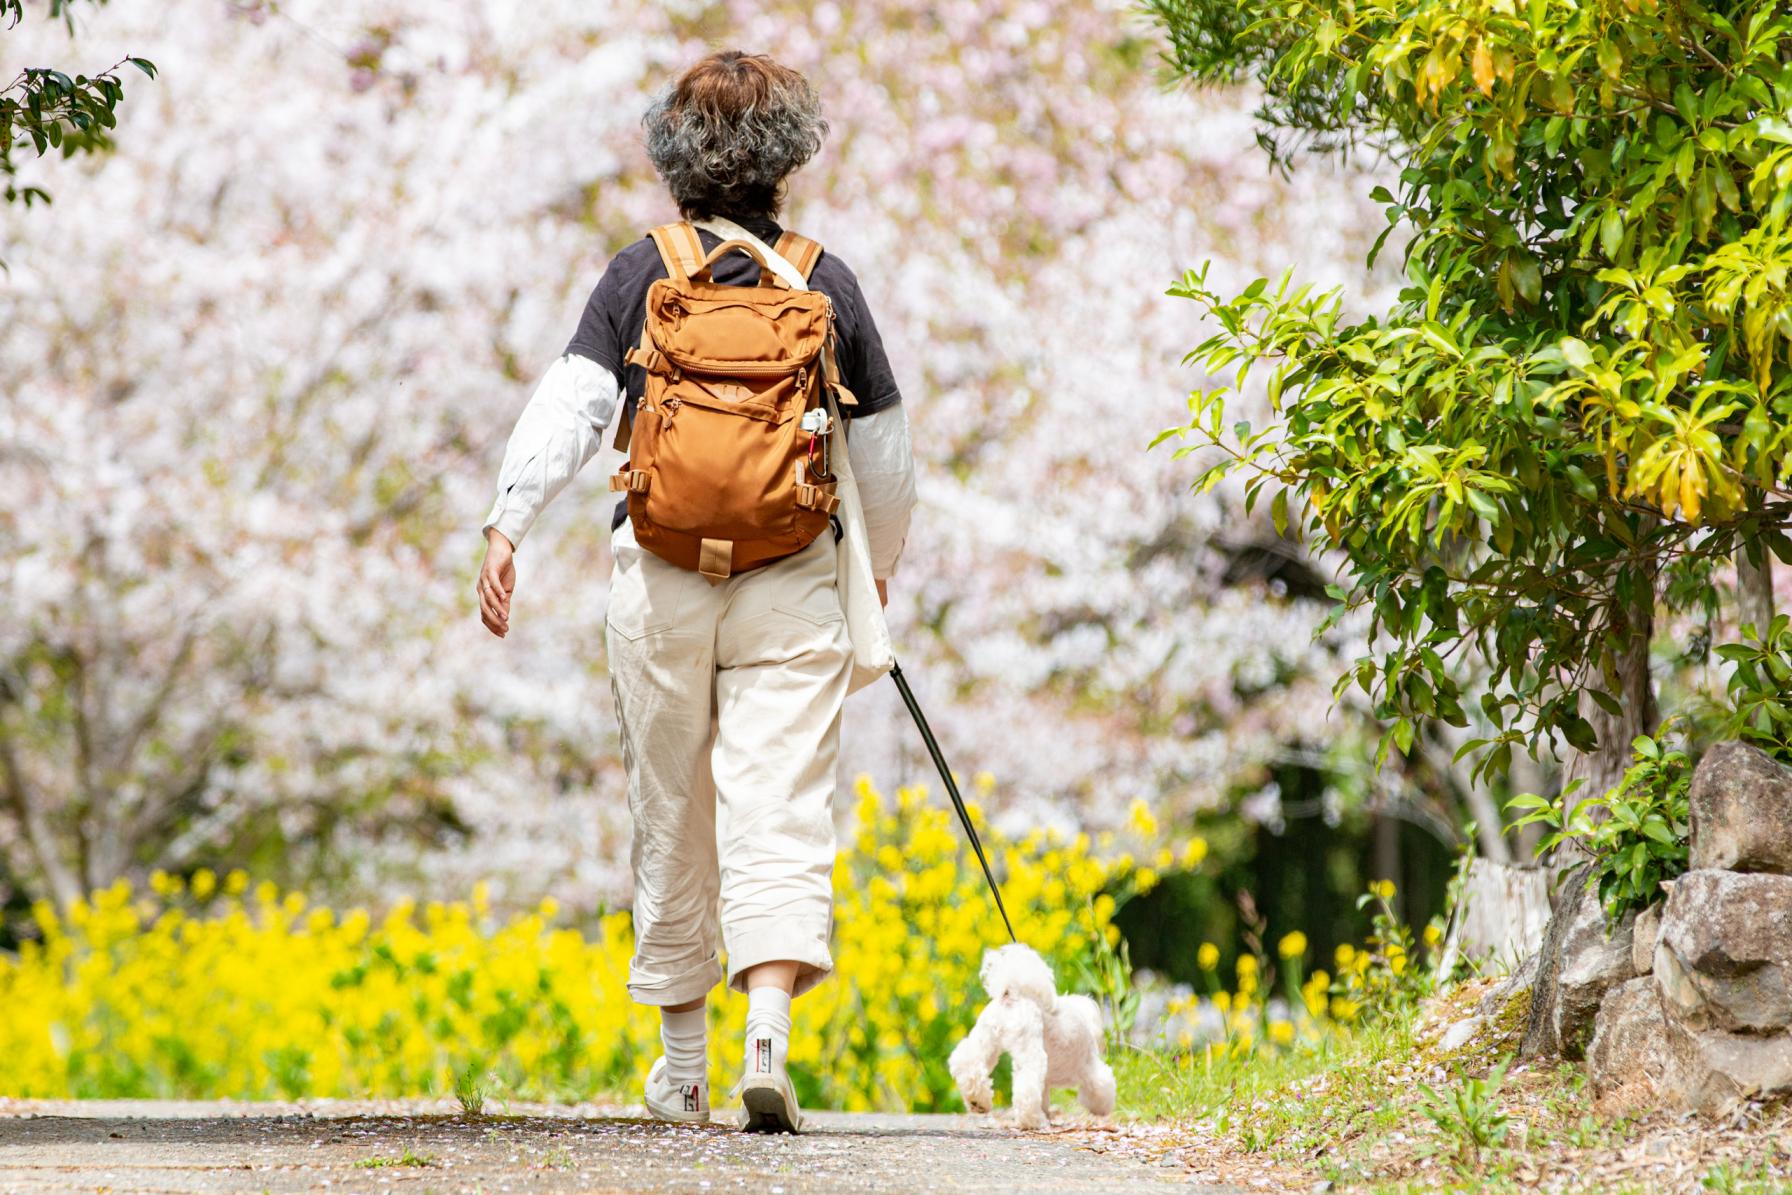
point(1611, 59)
point(1528, 278)
point(1611, 232)
point(1772, 127)
point(1606, 702)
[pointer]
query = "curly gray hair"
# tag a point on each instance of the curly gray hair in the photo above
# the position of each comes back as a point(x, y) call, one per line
point(728, 132)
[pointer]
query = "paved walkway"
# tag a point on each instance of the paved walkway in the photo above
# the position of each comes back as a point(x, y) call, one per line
point(377, 1147)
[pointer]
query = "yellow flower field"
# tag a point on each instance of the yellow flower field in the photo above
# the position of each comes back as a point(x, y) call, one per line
point(208, 989)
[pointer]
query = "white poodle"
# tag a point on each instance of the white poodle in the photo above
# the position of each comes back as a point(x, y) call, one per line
point(1054, 1041)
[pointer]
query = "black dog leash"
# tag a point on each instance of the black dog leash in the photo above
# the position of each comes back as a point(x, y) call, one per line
point(939, 761)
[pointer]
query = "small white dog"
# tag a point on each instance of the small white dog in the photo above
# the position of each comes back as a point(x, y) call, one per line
point(1054, 1041)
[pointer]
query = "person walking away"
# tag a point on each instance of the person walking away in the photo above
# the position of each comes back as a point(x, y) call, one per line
point(729, 657)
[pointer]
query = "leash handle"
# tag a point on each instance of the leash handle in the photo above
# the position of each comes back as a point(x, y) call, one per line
point(939, 761)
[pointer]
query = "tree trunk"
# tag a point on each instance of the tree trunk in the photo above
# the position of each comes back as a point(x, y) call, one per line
point(1600, 769)
point(1387, 856)
point(1501, 914)
point(1754, 591)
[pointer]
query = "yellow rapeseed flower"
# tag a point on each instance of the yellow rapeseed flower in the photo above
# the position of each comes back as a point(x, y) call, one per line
point(244, 990)
point(1292, 945)
point(1140, 821)
point(1207, 957)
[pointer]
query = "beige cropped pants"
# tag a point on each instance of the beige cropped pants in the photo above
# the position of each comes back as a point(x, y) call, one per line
point(729, 699)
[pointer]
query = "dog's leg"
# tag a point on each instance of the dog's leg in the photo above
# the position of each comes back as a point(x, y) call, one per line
point(1028, 1055)
point(970, 1064)
point(1097, 1090)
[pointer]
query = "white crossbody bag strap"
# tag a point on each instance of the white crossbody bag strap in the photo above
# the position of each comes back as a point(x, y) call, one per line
point(728, 230)
point(873, 654)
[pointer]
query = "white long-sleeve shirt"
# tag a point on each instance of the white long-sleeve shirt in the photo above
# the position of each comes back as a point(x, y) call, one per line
point(562, 428)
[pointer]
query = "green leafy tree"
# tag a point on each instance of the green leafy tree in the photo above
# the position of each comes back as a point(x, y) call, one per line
point(1581, 401)
point(43, 109)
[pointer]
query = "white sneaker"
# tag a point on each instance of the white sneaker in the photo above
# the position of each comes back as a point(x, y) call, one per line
point(687, 1103)
point(767, 1101)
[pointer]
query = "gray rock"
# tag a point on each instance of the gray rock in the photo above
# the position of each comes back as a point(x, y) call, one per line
point(1580, 964)
point(1642, 939)
point(1741, 802)
point(1712, 1071)
point(1629, 1049)
point(1724, 957)
point(1459, 1035)
point(1679, 995)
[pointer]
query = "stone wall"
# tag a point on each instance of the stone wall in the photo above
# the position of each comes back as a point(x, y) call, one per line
point(1705, 1024)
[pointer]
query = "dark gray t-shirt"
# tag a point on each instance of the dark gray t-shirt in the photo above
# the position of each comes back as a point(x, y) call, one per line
point(617, 309)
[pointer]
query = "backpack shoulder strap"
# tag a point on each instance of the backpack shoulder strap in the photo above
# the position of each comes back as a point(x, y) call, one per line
point(799, 251)
point(802, 253)
point(682, 252)
point(679, 248)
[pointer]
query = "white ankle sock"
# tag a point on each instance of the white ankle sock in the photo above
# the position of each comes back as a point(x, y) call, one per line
point(685, 1036)
point(768, 1019)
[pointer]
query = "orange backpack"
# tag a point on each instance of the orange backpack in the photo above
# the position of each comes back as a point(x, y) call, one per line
point(728, 452)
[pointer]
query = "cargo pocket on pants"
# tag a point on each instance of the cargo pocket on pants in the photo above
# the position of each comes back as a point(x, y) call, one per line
point(644, 598)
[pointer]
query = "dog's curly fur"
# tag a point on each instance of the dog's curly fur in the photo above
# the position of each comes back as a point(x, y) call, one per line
point(1054, 1041)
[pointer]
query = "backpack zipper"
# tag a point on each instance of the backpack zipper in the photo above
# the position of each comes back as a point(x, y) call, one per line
point(669, 408)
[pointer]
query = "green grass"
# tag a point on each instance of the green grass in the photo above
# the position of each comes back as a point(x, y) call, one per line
point(1266, 1100)
point(408, 1158)
point(1743, 1178)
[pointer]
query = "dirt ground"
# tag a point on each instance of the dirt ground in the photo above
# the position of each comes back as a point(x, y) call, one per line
point(118, 1146)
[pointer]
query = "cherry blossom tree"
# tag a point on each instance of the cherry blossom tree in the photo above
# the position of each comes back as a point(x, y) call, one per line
point(262, 360)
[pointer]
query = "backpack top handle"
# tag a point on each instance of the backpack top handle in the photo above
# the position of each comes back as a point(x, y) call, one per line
point(703, 272)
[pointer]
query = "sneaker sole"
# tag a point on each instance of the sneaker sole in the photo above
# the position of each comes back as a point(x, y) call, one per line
point(765, 1108)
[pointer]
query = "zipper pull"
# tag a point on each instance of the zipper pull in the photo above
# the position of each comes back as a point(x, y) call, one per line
point(668, 409)
point(802, 379)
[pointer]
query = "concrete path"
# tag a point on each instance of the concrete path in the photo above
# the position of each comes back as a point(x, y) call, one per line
point(378, 1147)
